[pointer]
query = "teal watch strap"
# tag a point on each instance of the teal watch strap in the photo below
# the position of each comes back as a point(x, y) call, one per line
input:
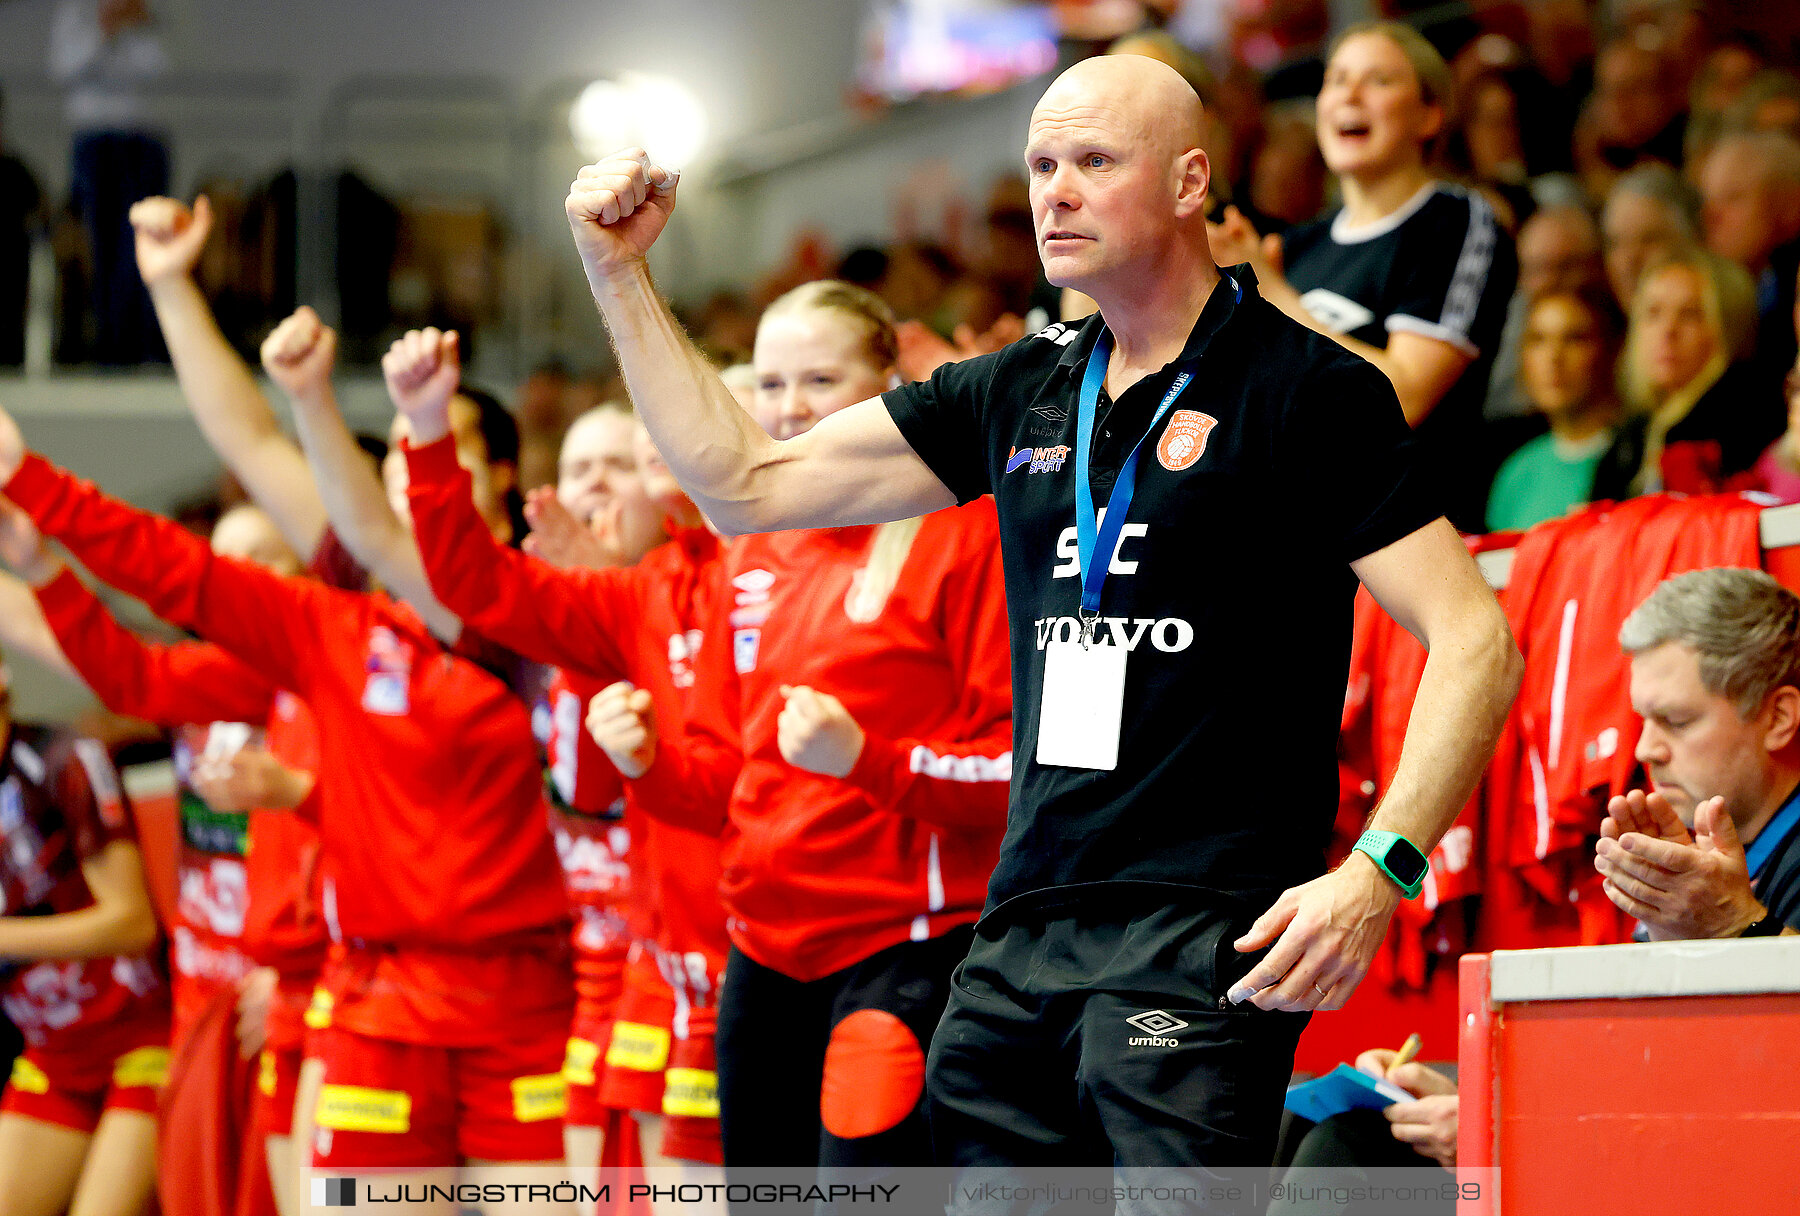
point(1398, 857)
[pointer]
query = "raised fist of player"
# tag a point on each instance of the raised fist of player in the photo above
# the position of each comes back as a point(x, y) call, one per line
point(22, 546)
point(816, 733)
point(617, 208)
point(300, 354)
point(169, 237)
point(422, 369)
point(622, 720)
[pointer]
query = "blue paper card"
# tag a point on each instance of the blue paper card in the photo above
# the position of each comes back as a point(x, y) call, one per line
point(1342, 1089)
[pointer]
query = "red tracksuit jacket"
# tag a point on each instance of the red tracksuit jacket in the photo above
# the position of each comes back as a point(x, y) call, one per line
point(431, 809)
point(640, 623)
point(819, 872)
point(260, 906)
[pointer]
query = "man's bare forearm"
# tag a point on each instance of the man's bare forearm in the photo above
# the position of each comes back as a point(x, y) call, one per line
point(1464, 696)
point(713, 447)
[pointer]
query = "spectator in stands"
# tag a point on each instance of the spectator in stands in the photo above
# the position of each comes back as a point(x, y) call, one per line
point(1406, 1134)
point(1650, 213)
point(103, 51)
point(22, 217)
point(1638, 110)
point(1723, 76)
point(1770, 101)
point(1559, 250)
point(1570, 349)
point(1411, 273)
point(1777, 470)
point(1695, 424)
point(1287, 174)
point(1750, 184)
point(1487, 146)
point(1715, 671)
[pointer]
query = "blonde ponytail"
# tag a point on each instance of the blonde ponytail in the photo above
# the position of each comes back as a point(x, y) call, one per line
point(871, 586)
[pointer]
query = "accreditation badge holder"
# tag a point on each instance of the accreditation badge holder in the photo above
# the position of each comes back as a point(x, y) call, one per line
point(1082, 706)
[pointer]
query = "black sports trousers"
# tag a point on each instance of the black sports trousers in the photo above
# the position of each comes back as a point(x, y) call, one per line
point(1072, 1039)
point(777, 1035)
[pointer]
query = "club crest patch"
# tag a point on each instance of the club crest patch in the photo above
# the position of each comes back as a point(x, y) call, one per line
point(1184, 441)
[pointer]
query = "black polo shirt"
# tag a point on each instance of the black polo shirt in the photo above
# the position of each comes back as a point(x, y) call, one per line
point(1230, 588)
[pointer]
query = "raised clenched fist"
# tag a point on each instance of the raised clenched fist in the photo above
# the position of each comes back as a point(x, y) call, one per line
point(622, 720)
point(422, 369)
point(816, 733)
point(300, 354)
point(169, 237)
point(617, 207)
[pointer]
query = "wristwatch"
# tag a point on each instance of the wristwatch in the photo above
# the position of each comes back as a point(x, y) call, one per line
point(1770, 925)
point(1398, 857)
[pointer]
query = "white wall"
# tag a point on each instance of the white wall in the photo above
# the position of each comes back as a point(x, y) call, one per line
point(772, 76)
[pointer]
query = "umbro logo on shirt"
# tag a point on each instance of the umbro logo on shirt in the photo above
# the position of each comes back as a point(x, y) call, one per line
point(1058, 333)
point(1157, 1027)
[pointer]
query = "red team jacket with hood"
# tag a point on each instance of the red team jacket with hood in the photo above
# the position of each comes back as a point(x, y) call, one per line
point(820, 872)
point(639, 623)
point(437, 869)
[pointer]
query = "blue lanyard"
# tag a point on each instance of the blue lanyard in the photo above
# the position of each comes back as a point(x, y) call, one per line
point(1774, 832)
point(1089, 537)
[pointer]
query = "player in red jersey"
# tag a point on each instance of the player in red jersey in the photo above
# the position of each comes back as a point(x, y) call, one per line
point(598, 516)
point(77, 1119)
point(451, 999)
point(642, 623)
point(866, 693)
point(366, 531)
point(247, 919)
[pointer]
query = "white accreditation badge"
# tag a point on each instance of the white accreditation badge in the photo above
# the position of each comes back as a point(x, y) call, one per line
point(1082, 706)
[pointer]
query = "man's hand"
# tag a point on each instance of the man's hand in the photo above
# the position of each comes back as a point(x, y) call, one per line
point(249, 778)
point(300, 354)
point(622, 720)
point(22, 546)
point(1430, 1123)
point(169, 237)
point(816, 733)
point(1325, 932)
point(564, 541)
point(1648, 814)
point(617, 208)
point(1413, 1077)
point(256, 992)
point(1682, 891)
point(422, 369)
